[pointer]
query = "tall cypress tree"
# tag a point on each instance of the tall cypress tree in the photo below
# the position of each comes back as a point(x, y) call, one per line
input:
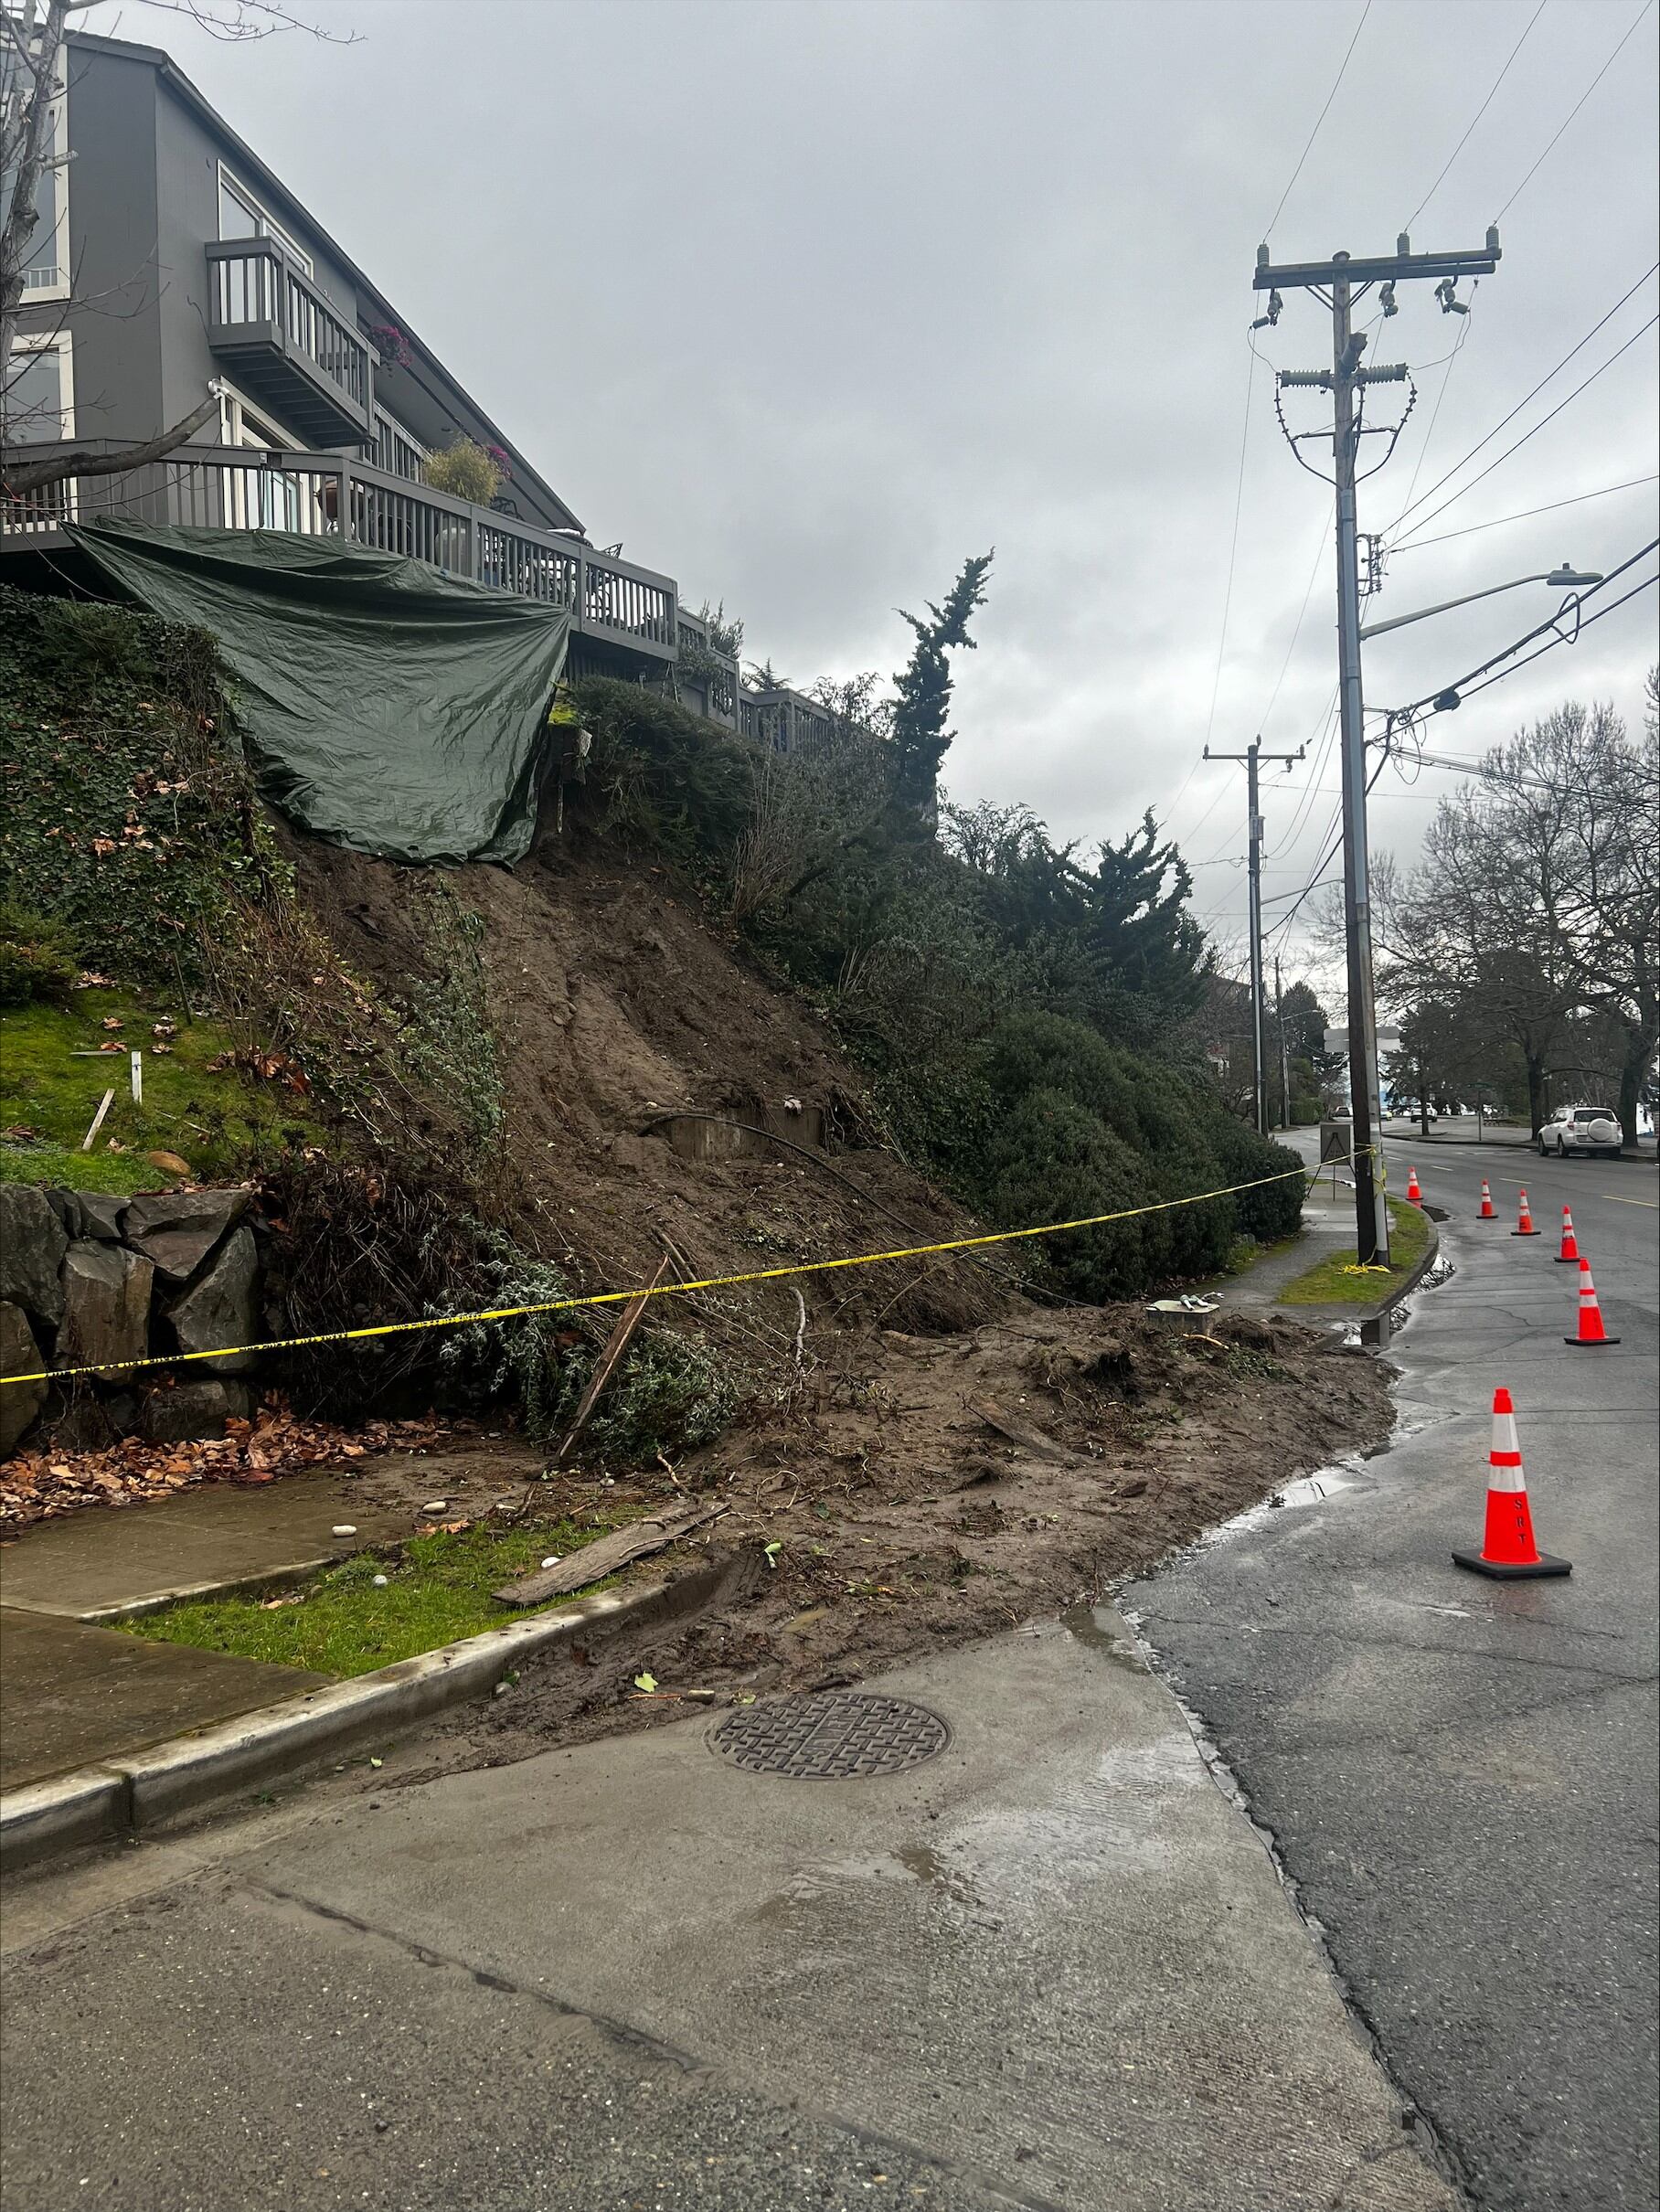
point(923, 691)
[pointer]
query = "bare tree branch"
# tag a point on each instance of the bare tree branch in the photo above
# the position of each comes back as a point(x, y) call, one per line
point(33, 475)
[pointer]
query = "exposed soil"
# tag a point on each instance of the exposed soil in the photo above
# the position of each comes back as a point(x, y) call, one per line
point(941, 1490)
point(619, 1004)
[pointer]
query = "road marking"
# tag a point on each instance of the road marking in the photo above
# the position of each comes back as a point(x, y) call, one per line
point(1649, 1203)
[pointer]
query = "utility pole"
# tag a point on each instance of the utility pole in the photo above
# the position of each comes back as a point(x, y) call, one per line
point(1284, 1061)
point(1252, 757)
point(1341, 283)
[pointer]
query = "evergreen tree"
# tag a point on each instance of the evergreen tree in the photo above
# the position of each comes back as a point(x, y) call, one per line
point(923, 691)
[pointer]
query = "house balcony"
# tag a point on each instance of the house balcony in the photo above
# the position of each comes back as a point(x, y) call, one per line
point(291, 348)
point(628, 614)
point(706, 679)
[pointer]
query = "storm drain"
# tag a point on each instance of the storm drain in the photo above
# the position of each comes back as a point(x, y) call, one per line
point(832, 1737)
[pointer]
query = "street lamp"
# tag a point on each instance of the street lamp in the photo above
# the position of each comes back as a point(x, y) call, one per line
point(1559, 579)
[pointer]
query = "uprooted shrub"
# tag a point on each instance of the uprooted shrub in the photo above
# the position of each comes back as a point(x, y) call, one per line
point(353, 1245)
point(669, 1394)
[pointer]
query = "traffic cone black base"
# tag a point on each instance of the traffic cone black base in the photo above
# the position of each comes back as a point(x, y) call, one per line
point(1527, 1232)
point(1545, 1565)
point(1591, 1344)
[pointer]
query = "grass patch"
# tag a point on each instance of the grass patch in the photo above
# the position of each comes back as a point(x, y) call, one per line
point(438, 1590)
point(1326, 1284)
point(210, 1116)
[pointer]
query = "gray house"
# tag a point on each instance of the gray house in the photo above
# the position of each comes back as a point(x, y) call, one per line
point(195, 273)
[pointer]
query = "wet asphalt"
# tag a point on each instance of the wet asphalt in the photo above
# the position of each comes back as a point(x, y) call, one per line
point(1459, 1775)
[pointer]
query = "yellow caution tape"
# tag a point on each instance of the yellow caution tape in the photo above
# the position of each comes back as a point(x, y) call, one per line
point(661, 1290)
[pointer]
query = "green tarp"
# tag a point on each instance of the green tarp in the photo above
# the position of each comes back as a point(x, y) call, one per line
point(386, 708)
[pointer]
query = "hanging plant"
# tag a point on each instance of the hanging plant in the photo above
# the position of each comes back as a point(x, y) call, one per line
point(392, 344)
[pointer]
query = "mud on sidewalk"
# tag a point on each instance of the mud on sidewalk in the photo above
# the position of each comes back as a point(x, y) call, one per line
point(924, 1491)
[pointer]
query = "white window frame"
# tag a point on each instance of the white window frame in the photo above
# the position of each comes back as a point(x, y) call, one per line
point(62, 344)
point(234, 405)
point(230, 181)
point(56, 286)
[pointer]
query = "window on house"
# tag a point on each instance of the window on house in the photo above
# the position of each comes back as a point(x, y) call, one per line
point(241, 216)
point(46, 272)
point(239, 425)
point(37, 403)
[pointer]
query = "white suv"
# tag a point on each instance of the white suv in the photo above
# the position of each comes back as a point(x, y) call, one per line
point(1572, 1129)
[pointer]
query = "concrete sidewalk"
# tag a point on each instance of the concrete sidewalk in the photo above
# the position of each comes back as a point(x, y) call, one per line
point(73, 1693)
point(1052, 1967)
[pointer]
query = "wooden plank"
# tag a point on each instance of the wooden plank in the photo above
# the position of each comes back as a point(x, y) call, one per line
point(1019, 1433)
point(603, 1557)
point(616, 1344)
point(104, 1107)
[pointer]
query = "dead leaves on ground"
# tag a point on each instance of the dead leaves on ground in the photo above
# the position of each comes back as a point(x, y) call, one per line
point(43, 1485)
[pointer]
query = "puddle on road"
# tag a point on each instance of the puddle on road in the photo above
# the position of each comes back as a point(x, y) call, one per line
point(1095, 1627)
point(1307, 1490)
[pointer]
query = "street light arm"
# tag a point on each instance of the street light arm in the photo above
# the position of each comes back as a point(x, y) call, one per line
point(1400, 621)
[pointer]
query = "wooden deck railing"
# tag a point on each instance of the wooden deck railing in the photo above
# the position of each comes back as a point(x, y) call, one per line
point(256, 295)
point(321, 495)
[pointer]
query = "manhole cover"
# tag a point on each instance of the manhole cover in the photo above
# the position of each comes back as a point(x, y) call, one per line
point(831, 1737)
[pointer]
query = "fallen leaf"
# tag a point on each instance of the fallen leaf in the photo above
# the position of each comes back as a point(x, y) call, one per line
point(647, 1683)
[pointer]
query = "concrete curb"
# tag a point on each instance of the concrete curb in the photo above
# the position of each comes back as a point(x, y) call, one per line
point(116, 1798)
point(1366, 1316)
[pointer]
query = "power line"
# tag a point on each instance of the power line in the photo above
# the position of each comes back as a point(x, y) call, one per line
point(1613, 606)
point(1320, 544)
point(1428, 436)
point(1543, 421)
point(1319, 119)
point(1311, 791)
point(1522, 402)
point(1474, 119)
point(1572, 111)
point(1522, 513)
point(1466, 687)
point(1233, 547)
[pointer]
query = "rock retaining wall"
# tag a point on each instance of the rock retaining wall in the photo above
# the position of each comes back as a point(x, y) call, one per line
point(91, 1280)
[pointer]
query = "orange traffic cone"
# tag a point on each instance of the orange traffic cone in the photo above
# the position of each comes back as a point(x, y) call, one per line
point(1592, 1330)
point(1570, 1254)
point(1414, 1196)
point(1487, 1212)
point(1523, 1220)
point(1508, 1552)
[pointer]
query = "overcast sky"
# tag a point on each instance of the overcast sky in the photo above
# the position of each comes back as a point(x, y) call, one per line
point(806, 299)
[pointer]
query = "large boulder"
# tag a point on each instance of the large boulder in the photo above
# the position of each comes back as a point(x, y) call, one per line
point(32, 1245)
point(97, 1215)
point(106, 1310)
point(187, 1410)
point(178, 1229)
point(19, 1354)
point(220, 1308)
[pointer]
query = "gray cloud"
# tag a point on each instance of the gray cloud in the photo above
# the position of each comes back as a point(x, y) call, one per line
point(806, 299)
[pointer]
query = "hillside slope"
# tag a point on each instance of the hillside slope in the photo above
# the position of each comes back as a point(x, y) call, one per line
point(615, 1007)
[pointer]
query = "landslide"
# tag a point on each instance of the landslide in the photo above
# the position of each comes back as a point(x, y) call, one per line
point(926, 1451)
point(616, 1010)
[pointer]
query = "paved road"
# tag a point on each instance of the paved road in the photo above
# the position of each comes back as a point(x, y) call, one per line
point(1460, 1774)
